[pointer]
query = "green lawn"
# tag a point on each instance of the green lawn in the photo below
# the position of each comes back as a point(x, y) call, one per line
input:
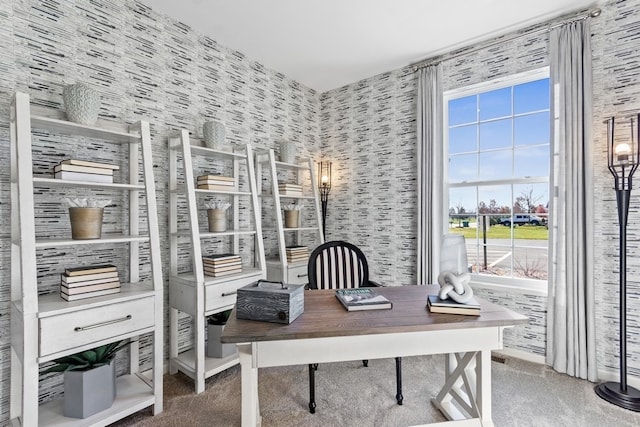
point(528, 232)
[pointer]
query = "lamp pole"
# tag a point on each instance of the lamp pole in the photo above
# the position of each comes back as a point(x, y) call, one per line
point(623, 160)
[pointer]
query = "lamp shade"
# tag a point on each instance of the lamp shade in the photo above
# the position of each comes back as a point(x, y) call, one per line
point(623, 155)
point(324, 177)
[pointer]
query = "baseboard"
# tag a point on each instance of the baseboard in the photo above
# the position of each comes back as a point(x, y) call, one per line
point(608, 375)
point(603, 374)
point(521, 354)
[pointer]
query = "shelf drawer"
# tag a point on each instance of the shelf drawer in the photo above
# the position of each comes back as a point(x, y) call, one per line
point(223, 294)
point(296, 273)
point(78, 328)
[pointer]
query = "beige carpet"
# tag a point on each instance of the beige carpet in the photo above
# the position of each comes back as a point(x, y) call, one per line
point(524, 395)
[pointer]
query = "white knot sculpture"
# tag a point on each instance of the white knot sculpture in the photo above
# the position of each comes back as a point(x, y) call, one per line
point(455, 286)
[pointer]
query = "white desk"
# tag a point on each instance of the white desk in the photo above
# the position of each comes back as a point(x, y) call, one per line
point(408, 329)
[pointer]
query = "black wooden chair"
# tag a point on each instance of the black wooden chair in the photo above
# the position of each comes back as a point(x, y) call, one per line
point(339, 265)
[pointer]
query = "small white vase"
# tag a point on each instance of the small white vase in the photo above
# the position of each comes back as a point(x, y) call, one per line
point(287, 152)
point(214, 134)
point(82, 103)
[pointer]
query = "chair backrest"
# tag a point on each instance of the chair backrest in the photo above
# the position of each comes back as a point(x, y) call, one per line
point(337, 265)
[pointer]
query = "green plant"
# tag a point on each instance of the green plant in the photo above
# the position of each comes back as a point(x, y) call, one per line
point(87, 359)
point(219, 318)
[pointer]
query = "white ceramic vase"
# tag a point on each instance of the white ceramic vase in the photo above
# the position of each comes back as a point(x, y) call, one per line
point(287, 152)
point(82, 103)
point(214, 134)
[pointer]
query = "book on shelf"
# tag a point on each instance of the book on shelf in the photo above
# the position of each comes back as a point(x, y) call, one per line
point(82, 176)
point(88, 163)
point(216, 182)
point(89, 294)
point(220, 257)
point(91, 269)
point(216, 177)
point(74, 290)
point(88, 282)
point(223, 267)
point(215, 187)
point(208, 272)
point(88, 277)
point(227, 261)
point(85, 169)
point(297, 250)
point(437, 305)
point(362, 299)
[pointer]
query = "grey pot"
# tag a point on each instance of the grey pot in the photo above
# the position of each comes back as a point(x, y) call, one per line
point(214, 347)
point(89, 392)
point(82, 103)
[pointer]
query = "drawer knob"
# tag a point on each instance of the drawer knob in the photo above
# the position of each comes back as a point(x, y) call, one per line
point(226, 294)
point(97, 325)
point(302, 275)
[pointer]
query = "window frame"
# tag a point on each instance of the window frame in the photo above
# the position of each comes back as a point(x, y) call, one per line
point(520, 285)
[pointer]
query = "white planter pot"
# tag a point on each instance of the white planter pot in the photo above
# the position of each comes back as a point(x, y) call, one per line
point(214, 134)
point(287, 152)
point(214, 347)
point(89, 392)
point(82, 103)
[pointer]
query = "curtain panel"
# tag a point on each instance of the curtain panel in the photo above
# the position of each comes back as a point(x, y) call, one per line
point(430, 172)
point(571, 309)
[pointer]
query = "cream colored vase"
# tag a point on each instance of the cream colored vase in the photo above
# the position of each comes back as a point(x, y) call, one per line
point(217, 220)
point(291, 218)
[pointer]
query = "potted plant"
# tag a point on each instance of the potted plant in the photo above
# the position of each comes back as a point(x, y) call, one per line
point(89, 379)
point(215, 327)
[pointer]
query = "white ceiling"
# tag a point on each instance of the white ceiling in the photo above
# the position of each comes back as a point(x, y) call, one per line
point(325, 44)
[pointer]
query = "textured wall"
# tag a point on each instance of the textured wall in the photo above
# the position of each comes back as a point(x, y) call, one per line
point(616, 76)
point(146, 66)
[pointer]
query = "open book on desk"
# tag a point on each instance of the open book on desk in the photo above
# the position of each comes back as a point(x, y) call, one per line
point(362, 299)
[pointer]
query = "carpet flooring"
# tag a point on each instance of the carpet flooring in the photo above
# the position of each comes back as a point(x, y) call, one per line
point(347, 394)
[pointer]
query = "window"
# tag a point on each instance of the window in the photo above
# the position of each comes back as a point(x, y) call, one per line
point(497, 176)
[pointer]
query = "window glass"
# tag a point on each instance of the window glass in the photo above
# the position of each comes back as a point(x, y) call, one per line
point(532, 129)
point(495, 104)
point(496, 134)
point(463, 110)
point(531, 96)
point(463, 139)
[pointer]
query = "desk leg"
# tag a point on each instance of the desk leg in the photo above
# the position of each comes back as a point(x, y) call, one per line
point(249, 387)
point(467, 389)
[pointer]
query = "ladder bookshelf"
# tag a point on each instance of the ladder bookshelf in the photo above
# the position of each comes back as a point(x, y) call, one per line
point(46, 327)
point(190, 290)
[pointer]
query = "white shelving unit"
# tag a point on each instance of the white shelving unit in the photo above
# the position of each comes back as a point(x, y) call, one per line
point(192, 292)
point(46, 327)
point(279, 269)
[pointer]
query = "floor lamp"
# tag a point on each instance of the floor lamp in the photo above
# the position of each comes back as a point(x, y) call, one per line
point(623, 160)
point(324, 172)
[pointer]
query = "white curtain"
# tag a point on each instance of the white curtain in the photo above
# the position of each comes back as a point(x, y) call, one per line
point(571, 311)
point(430, 170)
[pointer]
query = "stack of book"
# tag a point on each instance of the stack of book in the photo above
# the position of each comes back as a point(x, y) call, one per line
point(86, 282)
point(357, 299)
point(216, 182)
point(287, 189)
point(83, 170)
point(221, 264)
point(297, 254)
point(437, 305)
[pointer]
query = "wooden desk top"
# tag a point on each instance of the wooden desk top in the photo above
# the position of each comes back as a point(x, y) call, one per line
point(324, 316)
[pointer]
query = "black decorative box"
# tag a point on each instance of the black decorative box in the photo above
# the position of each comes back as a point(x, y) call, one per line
point(270, 302)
